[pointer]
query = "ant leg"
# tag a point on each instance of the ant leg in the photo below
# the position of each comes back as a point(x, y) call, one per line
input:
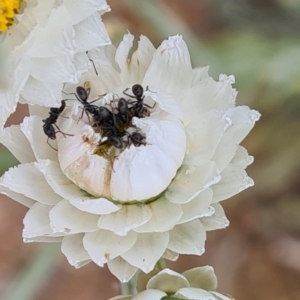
point(101, 96)
point(147, 89)
point(72, 94)
point(88, 92)
point(94, 66)
point(149, 105)
point(50, 144)
point(124, 92)
point(64, 134)
point(92, 63)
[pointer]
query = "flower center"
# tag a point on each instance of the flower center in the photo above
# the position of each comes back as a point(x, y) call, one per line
point(8, 10)
point(122, 145)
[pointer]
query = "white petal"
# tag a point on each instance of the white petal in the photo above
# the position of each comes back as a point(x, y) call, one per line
point(59, 69)
point(141, 60)
point(122, 57)
point(147, 250)
point(73, 148)
point(165, 102)
point(103, 245)
point(16, 196)
point(82, 64)
point(194, 294)
point(27, 180)
point(121, 269)
point(79, 10)
point(12, 137)
point(60, 184)
point(73, 249)
point(170, 255)
point(190, 181)
point(32, 127)
point(38, 110)
point(89, 173)
point(166, 133)
point(242, 158)
point(170, 69)
point(204, 135)
point(207, 95)
point(125, 219)
point(149, 295)
point(202, 277)
point(90, 33)
point(9, 94)
point(219, 296)
point(36, 221)
point(42, 93)
point(168, 281)
point(143, 278)
point(198, 207)
point(141, 173)
point(56, 37)
point(188, 238)
point(43, 239)
point(217, 221)
point(105, 65)
point(164, 216)
point(243, 120)
point(100, 206)
point(66, 218)
point(122, 297)
point(234, 180)
point(8, 105)
point(144, 172)
point(199, 74)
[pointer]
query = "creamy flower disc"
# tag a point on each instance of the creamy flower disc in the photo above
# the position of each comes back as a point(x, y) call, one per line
point(111, 198)
point(133, 173)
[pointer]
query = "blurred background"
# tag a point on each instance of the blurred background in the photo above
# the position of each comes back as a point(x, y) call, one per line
point(258, 255)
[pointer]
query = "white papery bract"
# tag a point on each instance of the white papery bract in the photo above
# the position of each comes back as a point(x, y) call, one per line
point(196, 284)
point(47, 48)
point(129, 207)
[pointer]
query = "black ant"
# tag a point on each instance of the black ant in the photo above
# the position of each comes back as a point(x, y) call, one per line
point(49, 123)
point(123, 117)
point(138, 107)
point(137, 139)
point(82, 95)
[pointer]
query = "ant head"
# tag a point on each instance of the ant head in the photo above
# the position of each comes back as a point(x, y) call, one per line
point(82, 93)
point(138, 90)
point(122, 106)
point(116, 142)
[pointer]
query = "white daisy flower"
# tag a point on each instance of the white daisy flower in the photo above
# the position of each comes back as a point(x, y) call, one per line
point(195, 284)
point(136, 179)
point(47, 47)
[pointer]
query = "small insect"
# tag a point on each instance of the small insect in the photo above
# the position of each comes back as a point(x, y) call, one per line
point(137, 139)
point(82, 95)
point(50, 123)
point(104, 118)
point(138, 105)
point(123, 116)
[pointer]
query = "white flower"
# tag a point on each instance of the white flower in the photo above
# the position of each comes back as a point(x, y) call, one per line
point(47, 47)
point(195, 284)
point(129, 206)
